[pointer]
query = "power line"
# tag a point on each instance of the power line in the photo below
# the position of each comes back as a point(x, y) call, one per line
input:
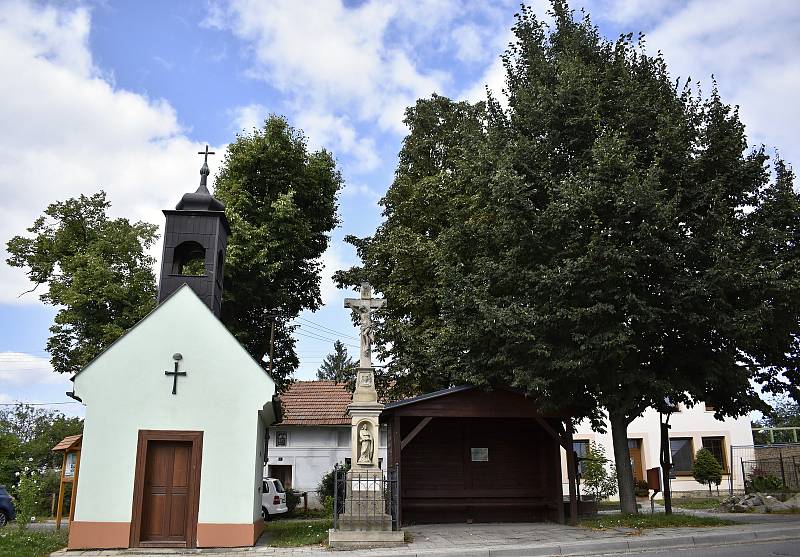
point(37, 403)
point(328, 329)
point(325, 339)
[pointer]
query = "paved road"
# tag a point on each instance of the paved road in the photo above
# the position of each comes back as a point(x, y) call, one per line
point(767, 549)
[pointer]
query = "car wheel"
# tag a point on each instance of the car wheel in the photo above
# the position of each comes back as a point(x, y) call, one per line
point(3, 518)
point(264, 513)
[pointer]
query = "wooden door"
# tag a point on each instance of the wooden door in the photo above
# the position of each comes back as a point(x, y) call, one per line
point(166, 489)
point(283, 473)
point(635, 448)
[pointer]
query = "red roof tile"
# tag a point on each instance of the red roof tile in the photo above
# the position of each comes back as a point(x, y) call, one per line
point(316, 403)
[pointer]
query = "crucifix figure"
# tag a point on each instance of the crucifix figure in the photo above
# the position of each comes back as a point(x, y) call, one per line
point(364, 306)
point(176, 373)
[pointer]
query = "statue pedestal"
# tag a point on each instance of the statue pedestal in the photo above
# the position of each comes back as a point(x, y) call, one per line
point(365, 522)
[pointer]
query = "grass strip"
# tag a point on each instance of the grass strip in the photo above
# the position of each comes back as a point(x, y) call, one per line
point(645, 521)
point(30, 543)
point(295, 533)
point(696, 504)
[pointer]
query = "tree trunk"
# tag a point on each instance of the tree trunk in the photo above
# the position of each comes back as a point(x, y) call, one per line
point(622, 459)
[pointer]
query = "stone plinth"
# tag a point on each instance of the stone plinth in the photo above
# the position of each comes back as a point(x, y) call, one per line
point(361, 539)
point(365, 504)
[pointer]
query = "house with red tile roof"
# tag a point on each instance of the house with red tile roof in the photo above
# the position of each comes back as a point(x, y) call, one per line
point(312, 435)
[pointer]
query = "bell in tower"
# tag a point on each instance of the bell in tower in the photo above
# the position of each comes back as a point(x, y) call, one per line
point(195, 239)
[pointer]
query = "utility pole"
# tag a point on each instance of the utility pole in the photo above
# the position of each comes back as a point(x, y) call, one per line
point(666, 462)
point(272, 342)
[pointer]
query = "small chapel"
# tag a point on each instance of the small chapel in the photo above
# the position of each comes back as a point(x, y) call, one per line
point(176, 409)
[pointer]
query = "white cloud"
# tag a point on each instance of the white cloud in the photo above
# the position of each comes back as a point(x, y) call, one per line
point(19, 368)
point(67, 130)
point(332, 260)
point(628, 11)
point(325, 54)
point(752, 51)
point(250, 116)
point(339, 136)
point(469, 43)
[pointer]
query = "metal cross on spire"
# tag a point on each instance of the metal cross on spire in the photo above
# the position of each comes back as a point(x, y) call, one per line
point(206, 153)
point(204, 171)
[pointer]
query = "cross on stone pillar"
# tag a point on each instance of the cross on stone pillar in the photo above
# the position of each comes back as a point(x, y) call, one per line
point(364, 306)
point(176, 373)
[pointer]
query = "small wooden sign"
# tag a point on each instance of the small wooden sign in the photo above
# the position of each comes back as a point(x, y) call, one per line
point(654, 479)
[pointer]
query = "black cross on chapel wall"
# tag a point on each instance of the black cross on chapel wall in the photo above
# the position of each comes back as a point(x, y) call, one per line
point(176, 373)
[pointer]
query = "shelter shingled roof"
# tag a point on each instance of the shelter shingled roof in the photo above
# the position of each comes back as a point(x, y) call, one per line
point(316, 403)
point(68, 442)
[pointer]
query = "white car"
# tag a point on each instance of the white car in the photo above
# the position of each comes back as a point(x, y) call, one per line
point(273, 498)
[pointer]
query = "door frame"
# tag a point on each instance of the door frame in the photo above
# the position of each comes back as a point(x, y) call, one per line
point(145, 436)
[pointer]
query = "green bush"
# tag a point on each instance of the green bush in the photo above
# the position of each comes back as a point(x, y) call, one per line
point(767, 483)
point(29, 496)
point(706, 470)
point(326, 483)
point(327, 504)
point(642, 489)
point(292, 499)
point(600, 481)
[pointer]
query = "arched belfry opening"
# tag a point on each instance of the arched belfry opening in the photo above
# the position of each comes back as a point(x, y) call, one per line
point(195, 240)
point(189, 259)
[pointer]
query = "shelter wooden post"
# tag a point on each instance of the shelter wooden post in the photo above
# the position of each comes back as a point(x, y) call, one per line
point(573, 500)
point(61, 492)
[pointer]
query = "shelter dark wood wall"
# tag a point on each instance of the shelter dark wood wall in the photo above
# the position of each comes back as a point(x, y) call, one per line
point(521, 481)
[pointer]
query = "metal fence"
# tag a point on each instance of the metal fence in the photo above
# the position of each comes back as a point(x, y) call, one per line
point(777, 465)
point(365, 501)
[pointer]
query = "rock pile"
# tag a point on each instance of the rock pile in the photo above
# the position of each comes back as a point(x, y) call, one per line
point(759, 503)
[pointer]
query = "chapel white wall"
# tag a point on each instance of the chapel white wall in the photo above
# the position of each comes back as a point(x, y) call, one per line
point(125, 390)
point(693, 422)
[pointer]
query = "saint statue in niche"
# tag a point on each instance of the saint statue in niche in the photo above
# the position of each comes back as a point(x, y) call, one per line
point(365, 445)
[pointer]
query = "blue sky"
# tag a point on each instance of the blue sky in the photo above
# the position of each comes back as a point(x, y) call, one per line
point(121, 95)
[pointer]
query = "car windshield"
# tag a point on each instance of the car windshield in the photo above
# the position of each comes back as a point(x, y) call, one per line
point(278, 486)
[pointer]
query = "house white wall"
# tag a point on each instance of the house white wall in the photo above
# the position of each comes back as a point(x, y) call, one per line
point(689, 422)
point(225, 394)
point(312, 451)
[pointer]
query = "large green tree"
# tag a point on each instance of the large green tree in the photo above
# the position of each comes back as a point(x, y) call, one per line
point(96, 271)
point(605, 241)
point(27, 435)
point(280, 200)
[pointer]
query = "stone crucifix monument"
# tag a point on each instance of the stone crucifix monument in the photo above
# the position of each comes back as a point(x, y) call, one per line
point(365, 521)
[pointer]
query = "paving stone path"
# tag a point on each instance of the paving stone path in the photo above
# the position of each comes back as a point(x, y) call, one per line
point(477, 540)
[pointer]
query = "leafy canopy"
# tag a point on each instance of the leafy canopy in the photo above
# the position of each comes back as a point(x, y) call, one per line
point(605, 241)
point(97, 273)
point(280, 200)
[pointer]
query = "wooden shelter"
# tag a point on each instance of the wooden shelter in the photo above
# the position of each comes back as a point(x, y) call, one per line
point(470, 455)
point(70, 465)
